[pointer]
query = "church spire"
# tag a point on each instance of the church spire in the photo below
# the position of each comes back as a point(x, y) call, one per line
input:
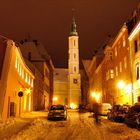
point(73, 31)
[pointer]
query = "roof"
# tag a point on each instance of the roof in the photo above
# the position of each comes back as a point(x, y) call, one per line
point(60, 74)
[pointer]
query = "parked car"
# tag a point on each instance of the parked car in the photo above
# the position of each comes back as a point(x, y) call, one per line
point(132, 118)
point(117, 113)
point(57, 112)
point(104, 108)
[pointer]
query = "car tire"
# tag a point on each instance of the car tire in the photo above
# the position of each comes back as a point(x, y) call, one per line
point(138, 123)
point(108, 117)
point(65, 119)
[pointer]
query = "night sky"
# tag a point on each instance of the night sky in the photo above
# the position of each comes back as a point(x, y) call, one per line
point(49, 22)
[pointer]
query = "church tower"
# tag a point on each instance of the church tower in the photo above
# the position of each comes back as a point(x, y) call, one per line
point(74, 77)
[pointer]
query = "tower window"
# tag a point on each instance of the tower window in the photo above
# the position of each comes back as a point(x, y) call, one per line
point(74, 68)
point(75, 81)
point(74, 43)
point(74, 56)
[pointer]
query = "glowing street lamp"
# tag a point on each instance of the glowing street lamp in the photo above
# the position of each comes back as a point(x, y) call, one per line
point(55, 99)
point(121, 84)
point(95, 96)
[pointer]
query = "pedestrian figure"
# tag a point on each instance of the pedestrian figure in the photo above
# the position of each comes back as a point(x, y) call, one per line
point(96, 111)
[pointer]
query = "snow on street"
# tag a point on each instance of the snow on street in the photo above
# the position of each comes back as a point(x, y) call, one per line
point(79, 126)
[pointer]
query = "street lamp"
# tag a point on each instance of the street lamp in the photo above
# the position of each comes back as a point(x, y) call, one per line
point(121, 84)
point(95, 96)
point(55, 99)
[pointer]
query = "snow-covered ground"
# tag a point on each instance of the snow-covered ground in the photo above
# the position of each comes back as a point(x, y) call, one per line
point(79, 126)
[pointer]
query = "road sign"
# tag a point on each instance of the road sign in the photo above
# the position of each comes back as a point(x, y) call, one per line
point(20, 93)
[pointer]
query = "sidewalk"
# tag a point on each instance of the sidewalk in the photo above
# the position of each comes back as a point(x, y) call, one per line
point(35, 114)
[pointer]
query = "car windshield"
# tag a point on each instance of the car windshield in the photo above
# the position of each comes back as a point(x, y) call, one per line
point(57, 107)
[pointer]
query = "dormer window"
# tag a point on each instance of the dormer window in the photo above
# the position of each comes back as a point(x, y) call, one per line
point(110, 56)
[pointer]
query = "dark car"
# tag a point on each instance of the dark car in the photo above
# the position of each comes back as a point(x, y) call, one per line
point(117, 113)
point(132, 118)
point(57, 112)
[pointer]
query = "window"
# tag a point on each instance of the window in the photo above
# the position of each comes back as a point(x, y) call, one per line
point(74, 68)
point(110, 55)
point(75, 81)
point(16, 64)
point(124, 43)
point(125, 63)
point(136, 46)
point(119, 45)
point(120, 66)
point(74, 55)
point(23, 74)
point(116, 71)
point(115, 51)
point(74, 43)
point(111, 73)
point(26, 78)
point(137, 71)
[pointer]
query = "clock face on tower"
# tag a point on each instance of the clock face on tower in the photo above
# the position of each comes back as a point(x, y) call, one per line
point(75, 81)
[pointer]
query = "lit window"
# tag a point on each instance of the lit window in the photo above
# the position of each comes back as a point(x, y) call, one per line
point(115, 51)
point(119, 45)
point(124, 42)
point(16, 64)
point(116, 71)
point(125, 63)
point(26, 79)
point(120, 66)
point(29, 79)
point(18, 67)
point(111, 73)
point(32, 82)
point(20, 72)
point(23, 74)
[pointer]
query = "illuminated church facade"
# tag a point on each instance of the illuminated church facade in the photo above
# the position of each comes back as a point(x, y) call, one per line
point(67, 82)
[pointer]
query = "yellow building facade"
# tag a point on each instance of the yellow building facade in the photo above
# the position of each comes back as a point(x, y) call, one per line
point(16, 83)
point(67, 89)
point(134, 43)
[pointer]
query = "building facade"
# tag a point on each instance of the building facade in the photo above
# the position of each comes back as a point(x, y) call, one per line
point(134, 43)
point(70, 78)
point(74, 77)
point(16, 81)
point(35, 53)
